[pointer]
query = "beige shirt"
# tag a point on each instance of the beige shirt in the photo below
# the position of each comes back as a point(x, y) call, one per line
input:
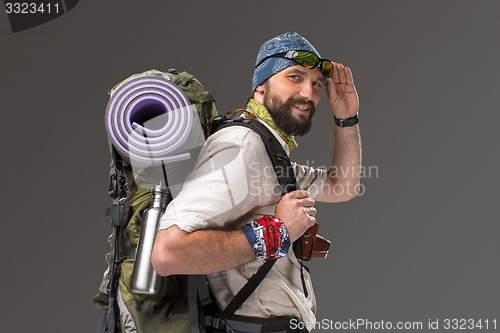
point(232, 183)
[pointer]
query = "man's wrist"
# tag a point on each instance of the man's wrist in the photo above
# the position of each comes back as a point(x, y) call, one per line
point(346, 122)
point(268, 237)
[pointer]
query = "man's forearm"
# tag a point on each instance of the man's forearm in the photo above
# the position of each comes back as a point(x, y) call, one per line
point(199, 252)
point(343, 175)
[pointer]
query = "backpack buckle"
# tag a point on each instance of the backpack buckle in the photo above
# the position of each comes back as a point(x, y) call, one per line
point(215, 322)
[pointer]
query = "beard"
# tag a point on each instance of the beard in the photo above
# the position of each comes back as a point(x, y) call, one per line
point(281, 112)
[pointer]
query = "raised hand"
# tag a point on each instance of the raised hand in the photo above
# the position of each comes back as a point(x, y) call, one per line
point(341, 92)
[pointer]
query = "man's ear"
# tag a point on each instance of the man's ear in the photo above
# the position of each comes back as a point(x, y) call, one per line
point(258, 94)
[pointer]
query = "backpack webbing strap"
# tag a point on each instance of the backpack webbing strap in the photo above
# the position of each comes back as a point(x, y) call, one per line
point(247, 289)
point(287, 181)
point(120, 214)
point(195, 292)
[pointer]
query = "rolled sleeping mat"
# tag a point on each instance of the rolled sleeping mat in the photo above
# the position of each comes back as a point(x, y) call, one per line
point(154, 127)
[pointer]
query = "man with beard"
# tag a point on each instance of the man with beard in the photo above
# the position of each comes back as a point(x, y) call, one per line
point(229, 205)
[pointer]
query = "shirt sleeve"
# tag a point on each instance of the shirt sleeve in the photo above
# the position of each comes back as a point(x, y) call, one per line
point(310, 179)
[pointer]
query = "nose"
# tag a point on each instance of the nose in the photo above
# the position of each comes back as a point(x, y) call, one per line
point(307, 91)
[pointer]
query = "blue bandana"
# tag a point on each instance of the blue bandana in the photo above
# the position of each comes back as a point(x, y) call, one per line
point(282, 43)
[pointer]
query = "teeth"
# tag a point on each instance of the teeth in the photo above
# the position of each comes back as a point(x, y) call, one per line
point(302, 107)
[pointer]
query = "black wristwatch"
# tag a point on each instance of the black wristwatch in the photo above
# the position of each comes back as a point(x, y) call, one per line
point(347, 122)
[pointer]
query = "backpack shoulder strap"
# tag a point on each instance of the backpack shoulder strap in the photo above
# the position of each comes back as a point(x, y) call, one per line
point(286, 179)
point(279, 158)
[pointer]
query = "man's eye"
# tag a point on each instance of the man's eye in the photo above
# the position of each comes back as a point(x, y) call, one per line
point(318, 84)
point(294, 77)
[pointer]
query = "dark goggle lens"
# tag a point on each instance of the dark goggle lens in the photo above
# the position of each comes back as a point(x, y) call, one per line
point(306, 59)
point(310, 60)
point(327, 68)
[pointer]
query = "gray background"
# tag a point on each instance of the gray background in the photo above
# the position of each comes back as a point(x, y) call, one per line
point(421, 243)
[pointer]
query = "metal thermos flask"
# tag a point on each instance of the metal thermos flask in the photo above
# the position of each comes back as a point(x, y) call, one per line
point(144, 278)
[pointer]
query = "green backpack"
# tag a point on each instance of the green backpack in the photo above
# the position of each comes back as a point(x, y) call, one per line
point(183, 303)
point(168, 310)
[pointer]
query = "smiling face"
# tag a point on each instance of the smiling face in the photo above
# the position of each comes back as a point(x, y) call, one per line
point(290, 96)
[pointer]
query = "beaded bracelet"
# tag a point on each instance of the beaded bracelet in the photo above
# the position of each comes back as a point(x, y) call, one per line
point(268, 237)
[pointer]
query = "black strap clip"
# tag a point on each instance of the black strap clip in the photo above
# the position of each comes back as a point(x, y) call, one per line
point(120, 214)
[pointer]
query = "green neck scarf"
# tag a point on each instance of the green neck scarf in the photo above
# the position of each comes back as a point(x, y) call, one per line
point(261, 112)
